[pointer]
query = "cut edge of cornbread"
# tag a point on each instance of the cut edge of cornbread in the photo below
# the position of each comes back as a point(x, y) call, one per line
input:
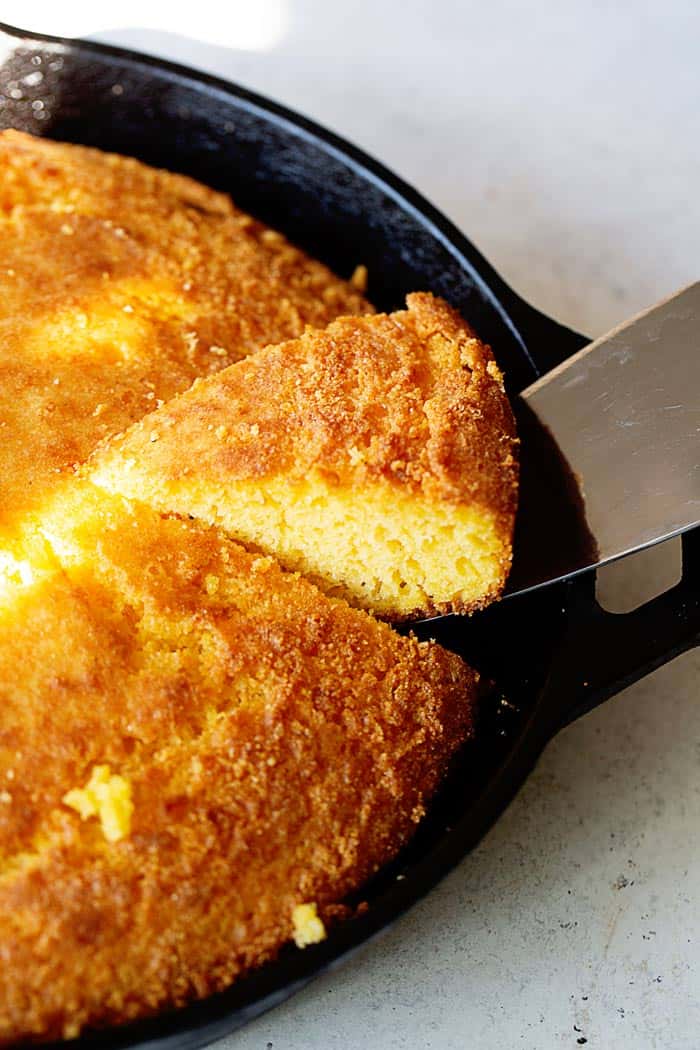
point(400, 566)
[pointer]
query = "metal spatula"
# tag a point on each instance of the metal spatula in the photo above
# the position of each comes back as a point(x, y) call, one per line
point(611, 447)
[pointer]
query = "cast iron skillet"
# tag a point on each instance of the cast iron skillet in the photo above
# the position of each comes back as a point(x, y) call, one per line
point(554, 654)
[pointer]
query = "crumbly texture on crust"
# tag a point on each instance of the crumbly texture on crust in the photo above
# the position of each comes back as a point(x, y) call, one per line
point(409, 404)
point(119, 285)
point(412, 398)
point(278, 746)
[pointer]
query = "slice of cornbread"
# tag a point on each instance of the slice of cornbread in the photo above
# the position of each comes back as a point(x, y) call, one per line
point(257, 745)
point(377, 457)
point(119, 284)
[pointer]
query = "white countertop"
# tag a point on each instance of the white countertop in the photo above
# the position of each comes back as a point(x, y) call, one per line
point(563, 138)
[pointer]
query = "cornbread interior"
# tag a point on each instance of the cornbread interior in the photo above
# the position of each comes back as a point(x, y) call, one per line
point(376, 456)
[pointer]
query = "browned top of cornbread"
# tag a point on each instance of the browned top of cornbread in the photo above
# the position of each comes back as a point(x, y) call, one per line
point(64, 176)
point(279, 747)
point(222, 258)
point(411, 397)
point(120, 284)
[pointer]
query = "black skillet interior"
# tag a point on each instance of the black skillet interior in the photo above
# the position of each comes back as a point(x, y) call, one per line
point(552, 654)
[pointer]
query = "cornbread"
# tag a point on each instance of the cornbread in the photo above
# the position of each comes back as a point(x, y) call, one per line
point(107, 796)
point(308, 927)
point(278, 747)
point(120, 284)
point(203, 752)
point(378, 457)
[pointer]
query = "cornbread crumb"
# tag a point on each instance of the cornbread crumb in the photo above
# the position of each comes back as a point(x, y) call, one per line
point(211, 583)
point(15, 568)
point(271, 237)
point(191, 340)
point(308, 926)
point(359, 278)
point(105, 795)
point(355, 455)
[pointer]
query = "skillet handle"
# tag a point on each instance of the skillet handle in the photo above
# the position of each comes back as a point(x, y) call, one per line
point(609, 651)
point(548, 342)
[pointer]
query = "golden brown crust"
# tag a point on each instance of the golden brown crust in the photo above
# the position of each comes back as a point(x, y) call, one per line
point(471, 449)
point(247, 282)
point(120, 284)
point(412, 398)
point(280, 748)
point(59, 175)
